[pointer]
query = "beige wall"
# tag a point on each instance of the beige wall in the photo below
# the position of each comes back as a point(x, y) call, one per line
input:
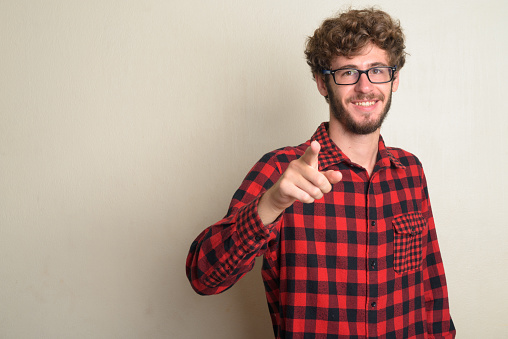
point(126, 126)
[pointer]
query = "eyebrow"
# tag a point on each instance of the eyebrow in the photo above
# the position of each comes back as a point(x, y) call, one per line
point(375, 64)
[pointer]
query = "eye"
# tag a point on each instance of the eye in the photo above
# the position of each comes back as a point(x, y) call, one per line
point(377, 71)
point(348, 73)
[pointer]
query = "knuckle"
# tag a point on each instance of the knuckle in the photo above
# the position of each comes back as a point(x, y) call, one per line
point(307, 199)
point(321, 181)
point(284, 185)
point(293, 168)
point(316, 192)
point(295, 162)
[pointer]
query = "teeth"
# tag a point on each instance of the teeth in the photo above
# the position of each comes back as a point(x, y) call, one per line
point(365, 103)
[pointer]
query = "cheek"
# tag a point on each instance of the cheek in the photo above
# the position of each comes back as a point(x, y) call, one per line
point(341, 95)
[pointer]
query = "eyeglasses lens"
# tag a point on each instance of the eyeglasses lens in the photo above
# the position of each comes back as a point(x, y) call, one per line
point(376, 75)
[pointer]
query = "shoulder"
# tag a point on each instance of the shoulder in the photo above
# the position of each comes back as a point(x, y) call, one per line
point(267, 170)
point(404, 157)
point(284, 155)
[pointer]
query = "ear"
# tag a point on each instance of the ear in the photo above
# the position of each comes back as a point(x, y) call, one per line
point(395, 83)
point(321, 85)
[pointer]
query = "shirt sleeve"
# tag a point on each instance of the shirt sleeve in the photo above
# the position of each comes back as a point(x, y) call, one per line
point(439, 321)
point(226, 251)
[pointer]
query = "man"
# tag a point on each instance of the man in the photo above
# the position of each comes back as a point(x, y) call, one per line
point(344, 223)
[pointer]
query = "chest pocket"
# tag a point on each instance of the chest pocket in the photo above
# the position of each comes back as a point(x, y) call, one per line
point(407, 245)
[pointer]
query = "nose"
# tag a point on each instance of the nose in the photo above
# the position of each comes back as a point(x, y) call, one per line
point(363, 85)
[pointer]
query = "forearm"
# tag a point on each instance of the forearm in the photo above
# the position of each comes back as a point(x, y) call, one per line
point(226, 251)
point(267, 211)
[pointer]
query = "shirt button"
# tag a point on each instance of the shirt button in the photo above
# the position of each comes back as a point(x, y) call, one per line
point(373, 223)
point(373, 304)
point(373, 264)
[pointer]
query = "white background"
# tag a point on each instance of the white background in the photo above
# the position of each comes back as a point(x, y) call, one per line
point(126, 126)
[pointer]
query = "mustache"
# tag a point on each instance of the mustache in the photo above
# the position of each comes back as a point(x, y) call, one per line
point(367, 97)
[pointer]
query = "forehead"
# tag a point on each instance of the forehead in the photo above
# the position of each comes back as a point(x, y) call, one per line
point(369, 56)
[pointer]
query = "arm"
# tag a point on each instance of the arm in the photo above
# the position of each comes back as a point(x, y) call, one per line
point(439, 322)
point(225, 251)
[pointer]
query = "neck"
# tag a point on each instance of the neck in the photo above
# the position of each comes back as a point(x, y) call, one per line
point(360, 149)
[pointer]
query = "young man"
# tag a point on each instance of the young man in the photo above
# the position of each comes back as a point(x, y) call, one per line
point(344, 223)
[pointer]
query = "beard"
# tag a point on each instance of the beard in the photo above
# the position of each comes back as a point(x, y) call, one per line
point(344, 117)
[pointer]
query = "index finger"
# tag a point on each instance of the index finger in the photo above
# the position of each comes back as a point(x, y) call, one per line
point(310, 157)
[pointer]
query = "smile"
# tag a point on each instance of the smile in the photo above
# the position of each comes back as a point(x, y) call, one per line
point(364, 103)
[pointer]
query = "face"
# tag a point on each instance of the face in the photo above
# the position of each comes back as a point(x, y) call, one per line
point(362, 107)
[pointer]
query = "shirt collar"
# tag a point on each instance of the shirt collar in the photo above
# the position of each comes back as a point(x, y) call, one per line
point(330, 154)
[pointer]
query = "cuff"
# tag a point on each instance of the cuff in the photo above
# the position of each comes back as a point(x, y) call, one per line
point(251, 231)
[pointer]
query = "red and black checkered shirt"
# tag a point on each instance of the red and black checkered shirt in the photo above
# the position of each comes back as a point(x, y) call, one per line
point(362, 262)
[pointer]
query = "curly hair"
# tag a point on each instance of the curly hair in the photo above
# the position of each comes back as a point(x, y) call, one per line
point(349, 32)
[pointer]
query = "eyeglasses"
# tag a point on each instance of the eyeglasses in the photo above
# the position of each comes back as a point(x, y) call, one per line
point(350, 76)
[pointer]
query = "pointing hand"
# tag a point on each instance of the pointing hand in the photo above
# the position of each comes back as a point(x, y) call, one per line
point(301, 181)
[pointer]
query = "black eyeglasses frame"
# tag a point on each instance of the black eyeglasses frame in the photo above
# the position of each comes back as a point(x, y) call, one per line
point(366, 72)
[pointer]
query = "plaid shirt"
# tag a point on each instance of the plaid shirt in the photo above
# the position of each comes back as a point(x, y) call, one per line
point(361, 262)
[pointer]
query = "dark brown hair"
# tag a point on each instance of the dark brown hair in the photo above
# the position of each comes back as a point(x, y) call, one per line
point(349, 32)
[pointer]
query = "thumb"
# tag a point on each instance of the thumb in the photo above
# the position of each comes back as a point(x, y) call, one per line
point(310, 157)
point(333, 176)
